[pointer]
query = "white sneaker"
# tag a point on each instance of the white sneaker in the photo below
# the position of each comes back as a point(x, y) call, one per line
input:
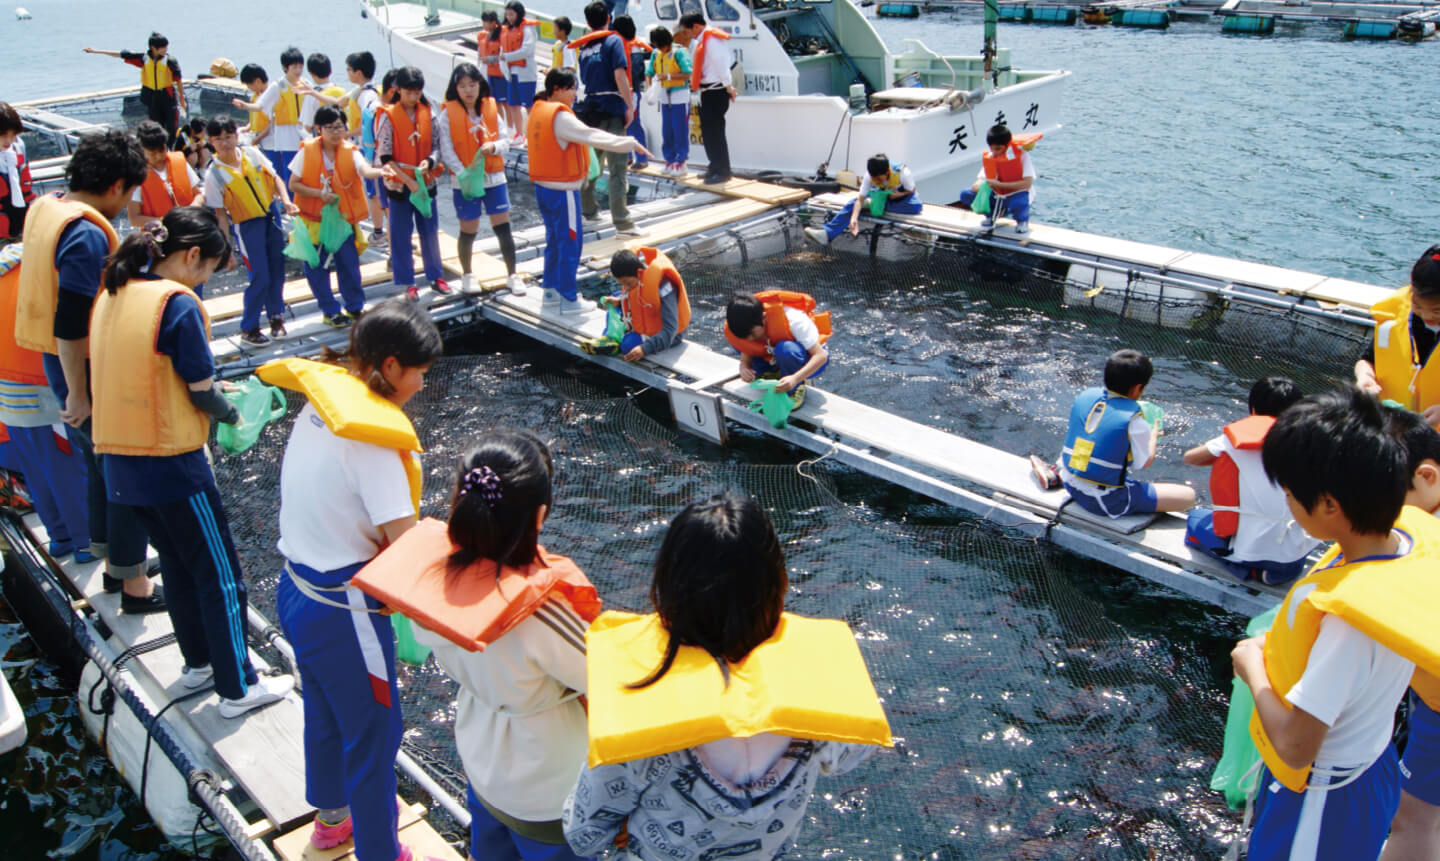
point(269, 689)
point(575, 307)
point(1022, 227)
point(516, 283)
point(194, 678)
point(987, 222)
point(467, 284)
point(550, 301)
point(818, 235)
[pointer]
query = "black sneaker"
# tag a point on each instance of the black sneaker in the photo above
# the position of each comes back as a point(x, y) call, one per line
point(600, 346)
point(254, 337)
point(152, 603)
point(339, 320)
point(277, 328)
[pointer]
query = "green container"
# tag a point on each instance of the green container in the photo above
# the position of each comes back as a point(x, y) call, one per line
point(258, 405)
point(878, 198)
point(1239, 755)
point(407, 650)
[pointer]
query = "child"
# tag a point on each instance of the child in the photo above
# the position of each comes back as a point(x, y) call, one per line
point(170, 182)
point(520, 728)
point(329, 170)
point(15, 193)
point(1325, 693)
point(318, 65)
point(487, 44)
point(258, 124)
point(281, 102)
point(559, 162)
point(637, 52)
point(1006, 167)
point(196, 145)
point(1415, 832)
point(517, 54)
point(719, 587)
point(561, 54)
point(1107, 433)
point(670, 64)
point(162, 88)
point(653, 302)
point(1249, 529)
point(882, 174)
point(68, 238)
point(360, 112)
point(248, 198)
point(405, 139)
point(152, 419)
point(779, 335)
point(471, 127)
point(341, 500)
point(1397, 364)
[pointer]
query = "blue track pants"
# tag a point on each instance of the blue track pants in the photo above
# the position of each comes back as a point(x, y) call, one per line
point(491, 840)
point(840, 221)
point(347, 274)
point(54, 469)
point(675, 133)
point(404, 222)
point(1341, 824)
point(262, 244)
point(564, 238)
point(789, 358)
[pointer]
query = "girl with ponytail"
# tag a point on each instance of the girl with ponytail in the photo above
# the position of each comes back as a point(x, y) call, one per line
point(152, 421)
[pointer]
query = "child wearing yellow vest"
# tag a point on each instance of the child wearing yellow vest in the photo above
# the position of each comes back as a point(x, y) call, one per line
point(719, 595)
point(318, 65)
point(1325, 691)
point(162, 90)
point(280, 103)
point(1398, 364)
point(171, 181)
point(670, 65)
point(152, 420)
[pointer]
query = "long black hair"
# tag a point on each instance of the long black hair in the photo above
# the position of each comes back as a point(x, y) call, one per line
point(720, 581)
point(182, 228)
point(460, 73)
point(499, 487)
point(1425, 274)
point(396, 327)
point(409, 78)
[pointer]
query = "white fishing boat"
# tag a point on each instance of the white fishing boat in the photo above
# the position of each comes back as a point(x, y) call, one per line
point(819, 92)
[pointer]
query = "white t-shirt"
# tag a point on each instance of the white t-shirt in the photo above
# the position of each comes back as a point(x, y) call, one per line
point(218, 175)
point(281, 138)
point(521, 735)
point(1266, 531)
point(1141, 450)
point(297, 164)
point(164, 174)
point(334, 495)
point(802, 328)
point(10, 167)
point(1027, 168)
point(907, 181)
point(717, 60)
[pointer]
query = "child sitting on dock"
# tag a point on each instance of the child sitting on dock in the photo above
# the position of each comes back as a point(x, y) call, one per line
point(670, 66)
point(520, 727)
point(171, 181)
point(1108, 433)
point(719, 597)
point(1249, 529)
point(882, 176)
point(653, 302)
point(1007, 168)
point(779, 336)
point(1397, 365)
point(1325, 690)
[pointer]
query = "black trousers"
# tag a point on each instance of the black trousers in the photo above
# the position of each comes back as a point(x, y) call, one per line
point(713, 105)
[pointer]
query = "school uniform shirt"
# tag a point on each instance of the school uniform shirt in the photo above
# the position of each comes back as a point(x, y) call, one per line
point(519, 728)
point(217, 176)
point(440, 130)
point(1142, 448)
point(1266, 532)
point(150, 480)
point(334, 495)
point(79, 261)
point(525, 52)
point(297, 164)
point(385, 148)
point(598, 62)
point(281, 138)
point(10, 159)
point(907, 182)
point(1027, 168)
point(802, 328)
point(718, 60)
point(673, 94)
point(570, 130)
point(164, 174)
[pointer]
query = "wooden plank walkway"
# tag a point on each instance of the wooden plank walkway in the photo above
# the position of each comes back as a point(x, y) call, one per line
point(415, 832)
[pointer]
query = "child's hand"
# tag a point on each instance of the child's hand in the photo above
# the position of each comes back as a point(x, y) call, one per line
point(785, 384)
point(240, 104)
point(636, 354)
point(1432, 415)
point(1370, 386)
point(291, 208)
point(488, 148)
point(1248, 658)
point(854, 227)
point(747, 373)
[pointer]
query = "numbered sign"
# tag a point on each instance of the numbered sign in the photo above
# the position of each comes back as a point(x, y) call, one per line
point(699, 412)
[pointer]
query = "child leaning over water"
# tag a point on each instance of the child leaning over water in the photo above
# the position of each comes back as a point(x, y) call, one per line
point(520, 728)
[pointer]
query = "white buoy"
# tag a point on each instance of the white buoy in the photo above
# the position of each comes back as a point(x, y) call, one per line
point(22, 14)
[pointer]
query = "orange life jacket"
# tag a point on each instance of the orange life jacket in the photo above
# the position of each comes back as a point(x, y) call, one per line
point(159, 196)
point(477, 606)
point(489, 51)
point(1011, 168)
point(594, 35)
point(1248, 434)
point(412, 138)
point(641, 305)
point(17, 364)
point(549, 162)
point(697, 69)
point(39, 281)
point(777, 328)
point(631, 47)
point(344, 180)
point(511, 38)
point(462, 134)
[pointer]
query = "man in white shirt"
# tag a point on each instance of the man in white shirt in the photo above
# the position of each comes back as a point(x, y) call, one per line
point(712, 58)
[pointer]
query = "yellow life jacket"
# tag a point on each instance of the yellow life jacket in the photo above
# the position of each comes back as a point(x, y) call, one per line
point(667, 65)
point(249, 190)
point(142, 406)
point(1401, 379)
point(287, 108)
point(39, 280)
point(807, 681)
point(155, 74)
point(353, 114)
point(259, 122)
point(1394, 601)
point(351, 410)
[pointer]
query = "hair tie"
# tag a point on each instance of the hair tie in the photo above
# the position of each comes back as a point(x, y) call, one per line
point(1435, 257)
point(154, 234)
point(484, 480)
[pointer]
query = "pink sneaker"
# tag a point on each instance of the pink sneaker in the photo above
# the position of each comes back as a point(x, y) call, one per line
point(407, 855)
point(329, 836)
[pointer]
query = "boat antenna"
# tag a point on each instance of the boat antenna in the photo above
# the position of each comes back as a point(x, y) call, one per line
point(992, 15)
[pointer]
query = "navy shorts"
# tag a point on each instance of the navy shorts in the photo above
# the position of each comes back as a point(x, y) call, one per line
point(1420, 768)
point(1340, 824)
point(499, 89)
point(521, 93)
point(495, 201)
point(1136, 497)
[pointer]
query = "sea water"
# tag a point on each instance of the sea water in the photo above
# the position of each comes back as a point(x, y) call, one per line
point(1303, 151)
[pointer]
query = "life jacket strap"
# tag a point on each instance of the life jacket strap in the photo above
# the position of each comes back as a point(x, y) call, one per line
point(317, 593)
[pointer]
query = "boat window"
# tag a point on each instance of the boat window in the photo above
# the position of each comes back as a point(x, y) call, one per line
point(688, 6)
point(665, 10)
point(719, 10)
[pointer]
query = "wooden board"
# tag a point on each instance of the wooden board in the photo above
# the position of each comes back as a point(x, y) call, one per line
point(295, 845)
point(764, 192)
point(489, 271)
point(685, 224)
point(297, 290)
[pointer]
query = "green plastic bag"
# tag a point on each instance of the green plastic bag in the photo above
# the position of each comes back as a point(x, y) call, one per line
point(420, 197)
point(878, 198)
point(471, 180)
point(334, 229)
point(301, 247)
point(406, 648)
point(594, 165)
point(258, 405)
point(1239, 755)
point(615, 327)
point(1153, 414)
point(981, 203)
point(775, 406)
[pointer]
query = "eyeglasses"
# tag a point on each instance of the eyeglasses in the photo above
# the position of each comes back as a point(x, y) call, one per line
point(334, 127)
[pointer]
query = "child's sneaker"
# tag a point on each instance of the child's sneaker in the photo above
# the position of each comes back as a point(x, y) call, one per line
point(575, 307)
point(441, 286)
point(516, 283)
point(987, 223)
point(379, 240)
point(254, 337)
point(818, 235)
point(194, 678)
point(467, 284)
point(412, 293)
point(1046, 475)
point(407, 855)
point(277, 329)
point(270, 689)
point(1022, 227)
point(59, 548)
point(600, 346)
point(797, 396)
point(338, 320)
point(327, 836)
point(84, 557)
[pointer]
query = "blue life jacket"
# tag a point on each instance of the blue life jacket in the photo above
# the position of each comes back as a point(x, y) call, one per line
point(1097, 444)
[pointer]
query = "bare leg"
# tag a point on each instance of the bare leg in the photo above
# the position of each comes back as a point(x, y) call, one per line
point(1173, 497)
point(1415, 833)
